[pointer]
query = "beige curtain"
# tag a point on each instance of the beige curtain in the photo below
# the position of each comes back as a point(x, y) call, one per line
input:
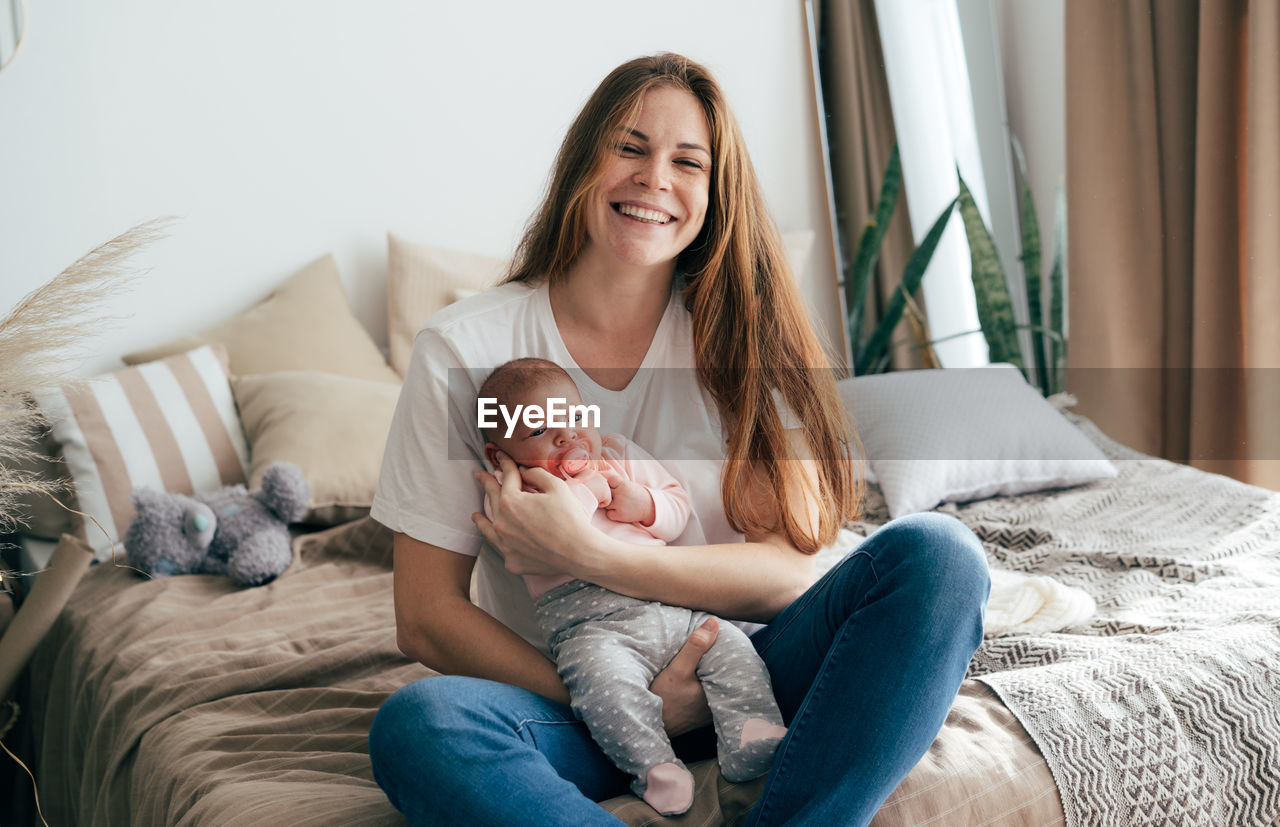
point(861, 134)
point(1173, 192)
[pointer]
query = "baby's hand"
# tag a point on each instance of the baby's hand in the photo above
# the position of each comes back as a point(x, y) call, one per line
point(632, 502)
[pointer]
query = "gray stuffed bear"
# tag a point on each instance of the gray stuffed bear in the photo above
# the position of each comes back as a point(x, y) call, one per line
point(232, 531)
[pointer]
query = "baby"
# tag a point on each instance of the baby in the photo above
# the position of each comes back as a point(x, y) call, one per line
point(608, 647)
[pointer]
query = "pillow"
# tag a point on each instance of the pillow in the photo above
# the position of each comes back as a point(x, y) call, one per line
point(954, 435)
point(305, 324)
point(421, 279)
point(169, 425)
point(798, 247)
point(332, 427)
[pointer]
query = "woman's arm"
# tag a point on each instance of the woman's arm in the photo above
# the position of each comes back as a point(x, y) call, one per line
point(743, 581)
point(751, 581)
point(438, 625)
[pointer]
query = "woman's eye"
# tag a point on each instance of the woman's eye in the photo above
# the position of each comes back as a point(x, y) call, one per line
point(629, 149)
point(690, 163)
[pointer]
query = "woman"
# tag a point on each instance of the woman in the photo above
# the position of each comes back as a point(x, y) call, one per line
point(653, 271)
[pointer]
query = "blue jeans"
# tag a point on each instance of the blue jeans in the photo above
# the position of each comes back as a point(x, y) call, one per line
point(865, 666)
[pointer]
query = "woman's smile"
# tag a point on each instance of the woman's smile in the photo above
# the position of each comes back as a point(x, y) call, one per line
point(644, 215)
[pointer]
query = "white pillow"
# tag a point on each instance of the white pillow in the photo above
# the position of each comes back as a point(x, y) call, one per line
point(798, 246)
point(955, 435)
point(170, 425)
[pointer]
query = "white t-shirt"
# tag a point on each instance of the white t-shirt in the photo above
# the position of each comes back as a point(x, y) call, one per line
point(426, 488)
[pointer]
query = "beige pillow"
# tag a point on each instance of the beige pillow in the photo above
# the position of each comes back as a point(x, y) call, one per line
point(332, 427)
point(305, 324)
point(798, 245)
point(421, 279)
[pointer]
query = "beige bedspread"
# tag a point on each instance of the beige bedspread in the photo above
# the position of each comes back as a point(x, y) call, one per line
point(187, 701)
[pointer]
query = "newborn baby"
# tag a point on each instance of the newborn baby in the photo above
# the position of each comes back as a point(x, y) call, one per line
point(608, 647)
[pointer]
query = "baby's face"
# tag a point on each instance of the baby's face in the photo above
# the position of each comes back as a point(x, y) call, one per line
point(563, 451)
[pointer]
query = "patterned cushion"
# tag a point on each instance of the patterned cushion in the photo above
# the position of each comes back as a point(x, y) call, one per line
point(169, 425)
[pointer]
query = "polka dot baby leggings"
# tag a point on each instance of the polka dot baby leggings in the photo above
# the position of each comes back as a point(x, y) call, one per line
point(608, 648)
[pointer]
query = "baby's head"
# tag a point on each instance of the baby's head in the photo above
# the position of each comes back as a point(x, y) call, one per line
point(563, 448)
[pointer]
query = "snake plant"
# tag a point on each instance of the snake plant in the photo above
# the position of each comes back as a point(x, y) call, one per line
point(872, 356)
point(991, 290)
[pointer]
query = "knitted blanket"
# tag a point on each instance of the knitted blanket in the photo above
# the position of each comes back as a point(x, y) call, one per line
point(1163, 707)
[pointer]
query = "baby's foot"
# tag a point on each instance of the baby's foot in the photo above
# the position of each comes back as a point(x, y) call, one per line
point(669, 789)
point(758, 729)
point(754, 755)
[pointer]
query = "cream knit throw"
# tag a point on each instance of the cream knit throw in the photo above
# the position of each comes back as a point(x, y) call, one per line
point(1020, 603)
point(1024, 604)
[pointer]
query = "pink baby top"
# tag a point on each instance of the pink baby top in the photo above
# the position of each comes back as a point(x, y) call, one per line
point(670, 504)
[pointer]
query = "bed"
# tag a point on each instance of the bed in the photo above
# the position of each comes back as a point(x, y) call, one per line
point(190, 701)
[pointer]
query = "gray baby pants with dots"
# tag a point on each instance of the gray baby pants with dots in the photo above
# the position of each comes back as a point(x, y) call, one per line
point(608, 647)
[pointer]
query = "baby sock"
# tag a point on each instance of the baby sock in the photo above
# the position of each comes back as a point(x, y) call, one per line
point(754, 755)
point(668, 788)
point(758, 729)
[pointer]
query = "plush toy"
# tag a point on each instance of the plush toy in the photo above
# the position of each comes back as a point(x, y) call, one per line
point(232, 531)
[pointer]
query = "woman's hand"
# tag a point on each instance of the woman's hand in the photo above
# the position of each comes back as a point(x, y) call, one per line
point(684, 704)
point(539, 532)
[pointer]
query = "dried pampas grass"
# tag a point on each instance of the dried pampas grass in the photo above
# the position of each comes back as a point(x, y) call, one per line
point(38, 340)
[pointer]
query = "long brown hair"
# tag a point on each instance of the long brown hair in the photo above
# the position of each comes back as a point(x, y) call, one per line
point(752, 336)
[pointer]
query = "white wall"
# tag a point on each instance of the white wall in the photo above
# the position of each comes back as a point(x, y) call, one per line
point(279, 131)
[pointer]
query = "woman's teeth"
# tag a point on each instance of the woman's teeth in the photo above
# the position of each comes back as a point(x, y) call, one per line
point(651, 216)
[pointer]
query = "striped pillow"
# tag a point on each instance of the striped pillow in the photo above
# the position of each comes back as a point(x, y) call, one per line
point(169, 425)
